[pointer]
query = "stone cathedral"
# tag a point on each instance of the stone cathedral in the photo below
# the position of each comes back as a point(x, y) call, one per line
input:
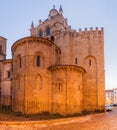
point(56, 69)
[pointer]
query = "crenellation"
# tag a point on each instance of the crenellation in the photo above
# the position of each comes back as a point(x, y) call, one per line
point(96, 28)
point(94, 33)
point(85, 30)
point(74, 31)
point(91, 28)
point(80, 30)
point(102, 28)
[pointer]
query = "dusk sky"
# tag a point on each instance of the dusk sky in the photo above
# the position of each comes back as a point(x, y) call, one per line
point(16, 17)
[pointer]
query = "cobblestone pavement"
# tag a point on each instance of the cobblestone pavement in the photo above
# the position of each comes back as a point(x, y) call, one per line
point(102, 121)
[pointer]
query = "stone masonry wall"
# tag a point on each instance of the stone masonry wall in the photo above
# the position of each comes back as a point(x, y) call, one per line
point(30, 82)
point(67, 89)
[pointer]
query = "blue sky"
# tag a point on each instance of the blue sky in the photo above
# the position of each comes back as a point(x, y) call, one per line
point(16, 17)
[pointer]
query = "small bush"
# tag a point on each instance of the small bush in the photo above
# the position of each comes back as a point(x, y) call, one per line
point(57, 115)
point(99, 110)
point(19, 114)
point(84, 112)
point(76, 114)
point(45, 113)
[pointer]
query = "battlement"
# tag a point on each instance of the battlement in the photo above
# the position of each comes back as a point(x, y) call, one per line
point(91, 30)
point(89, 34)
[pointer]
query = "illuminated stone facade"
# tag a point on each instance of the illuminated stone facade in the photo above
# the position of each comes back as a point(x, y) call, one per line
point(5, 74)
point(58, 69)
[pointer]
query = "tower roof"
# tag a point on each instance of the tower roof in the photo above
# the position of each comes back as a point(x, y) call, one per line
point(32, 25)
point(60, 9)
point(53, 11)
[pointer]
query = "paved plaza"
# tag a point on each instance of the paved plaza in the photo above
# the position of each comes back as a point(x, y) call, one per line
point(102, 121)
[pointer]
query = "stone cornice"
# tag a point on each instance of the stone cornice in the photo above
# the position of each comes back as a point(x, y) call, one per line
point(67, 67)
point(30, 40)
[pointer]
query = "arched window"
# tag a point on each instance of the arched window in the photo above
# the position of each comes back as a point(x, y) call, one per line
point(90, 61)
point(47, 31)
point(91, 66)
point(37, 60)
point(40, 33)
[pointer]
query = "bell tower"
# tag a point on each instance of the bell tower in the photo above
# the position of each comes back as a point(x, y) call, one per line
point(2, 48)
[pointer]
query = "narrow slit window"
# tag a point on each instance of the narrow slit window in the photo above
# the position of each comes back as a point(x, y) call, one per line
point(90, 62)
point(20, 62)
point(8, 74)
point(60, 87)
point(38, 61)
point(76, 61)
